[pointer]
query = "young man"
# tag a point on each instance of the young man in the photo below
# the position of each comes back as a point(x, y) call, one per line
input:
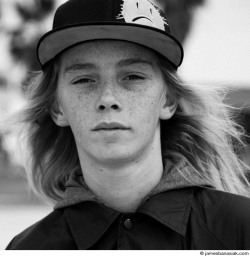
point(134, 158)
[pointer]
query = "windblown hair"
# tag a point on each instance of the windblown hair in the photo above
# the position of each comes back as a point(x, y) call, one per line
point(52, 153)
point(201, 132)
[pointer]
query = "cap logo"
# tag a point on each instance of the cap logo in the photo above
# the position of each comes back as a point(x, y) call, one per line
point(142, 12)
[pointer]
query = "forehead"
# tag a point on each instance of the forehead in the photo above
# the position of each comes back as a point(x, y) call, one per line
point(105, 51)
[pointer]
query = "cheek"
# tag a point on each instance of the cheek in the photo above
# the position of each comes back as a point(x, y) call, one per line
point(141, 100)
point(76, 108)
point(145, 111)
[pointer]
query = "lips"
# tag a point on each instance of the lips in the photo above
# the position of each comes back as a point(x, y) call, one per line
point(141, 17)
point(105, 126)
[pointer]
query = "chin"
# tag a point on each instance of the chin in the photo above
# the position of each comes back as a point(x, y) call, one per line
point(118, 155)
point(114, 156)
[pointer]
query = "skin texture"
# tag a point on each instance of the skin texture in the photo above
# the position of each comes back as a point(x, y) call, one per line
point(103, 82)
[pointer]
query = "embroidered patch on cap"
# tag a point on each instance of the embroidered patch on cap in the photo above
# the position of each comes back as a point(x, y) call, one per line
point(142, 12)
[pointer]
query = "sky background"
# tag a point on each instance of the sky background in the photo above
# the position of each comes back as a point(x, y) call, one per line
point(218, 47)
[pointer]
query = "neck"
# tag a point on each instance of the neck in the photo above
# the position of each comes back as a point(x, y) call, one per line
point(123, 187)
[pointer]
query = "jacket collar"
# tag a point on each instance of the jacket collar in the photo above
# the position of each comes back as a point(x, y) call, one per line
point(171, 208)
point(89, 218)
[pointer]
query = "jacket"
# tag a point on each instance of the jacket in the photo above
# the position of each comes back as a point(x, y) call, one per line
point(193, 218)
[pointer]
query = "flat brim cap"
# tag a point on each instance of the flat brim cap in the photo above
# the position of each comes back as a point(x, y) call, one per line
point(137, 21)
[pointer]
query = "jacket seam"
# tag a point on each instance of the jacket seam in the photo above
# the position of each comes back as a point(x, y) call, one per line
point(200, 220)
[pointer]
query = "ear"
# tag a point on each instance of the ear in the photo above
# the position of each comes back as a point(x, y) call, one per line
point(58, 115)
point(167, 106)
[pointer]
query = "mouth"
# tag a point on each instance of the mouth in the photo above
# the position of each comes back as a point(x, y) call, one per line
point(113, 126)
point(141, 17)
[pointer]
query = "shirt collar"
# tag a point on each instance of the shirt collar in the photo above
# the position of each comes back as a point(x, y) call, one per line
point(171, 208)
point(89, 218)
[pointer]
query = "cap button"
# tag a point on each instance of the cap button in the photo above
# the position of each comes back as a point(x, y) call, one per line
point(128, 224)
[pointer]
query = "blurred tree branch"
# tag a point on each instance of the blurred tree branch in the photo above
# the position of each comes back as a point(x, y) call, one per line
point(180, 15)
point(24, 38)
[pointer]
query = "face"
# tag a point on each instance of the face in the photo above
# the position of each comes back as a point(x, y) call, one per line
point(112, 95)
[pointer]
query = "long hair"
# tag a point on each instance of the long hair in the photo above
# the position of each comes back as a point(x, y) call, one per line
point(52, 153)
point(201, 133)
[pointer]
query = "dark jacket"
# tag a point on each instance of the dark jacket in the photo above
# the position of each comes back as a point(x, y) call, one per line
point(189, 218)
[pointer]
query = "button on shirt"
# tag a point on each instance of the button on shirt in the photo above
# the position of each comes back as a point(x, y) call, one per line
point(109, 229)
point(128, 224)
point(188, 218)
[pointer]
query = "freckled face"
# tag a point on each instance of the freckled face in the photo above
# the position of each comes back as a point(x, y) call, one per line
point(108, 93)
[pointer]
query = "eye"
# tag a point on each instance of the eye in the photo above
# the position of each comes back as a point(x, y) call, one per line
point(133, 77)
point(83, 81)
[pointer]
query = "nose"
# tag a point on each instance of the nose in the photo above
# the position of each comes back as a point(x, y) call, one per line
point(108, 99)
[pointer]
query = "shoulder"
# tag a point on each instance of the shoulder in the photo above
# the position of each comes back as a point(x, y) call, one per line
point(225, 215)
point(47, 234)
point(215, 201)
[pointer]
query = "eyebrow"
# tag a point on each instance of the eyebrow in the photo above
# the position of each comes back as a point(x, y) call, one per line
point(79, 66)
point(90, 66)
point(131, 61)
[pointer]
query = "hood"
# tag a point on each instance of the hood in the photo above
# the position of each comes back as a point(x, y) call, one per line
point(77, 190)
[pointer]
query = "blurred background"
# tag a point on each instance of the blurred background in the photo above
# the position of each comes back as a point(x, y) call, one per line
point(216, 39)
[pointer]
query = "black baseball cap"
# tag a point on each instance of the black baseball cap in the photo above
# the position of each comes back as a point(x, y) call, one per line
point(137, 21)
